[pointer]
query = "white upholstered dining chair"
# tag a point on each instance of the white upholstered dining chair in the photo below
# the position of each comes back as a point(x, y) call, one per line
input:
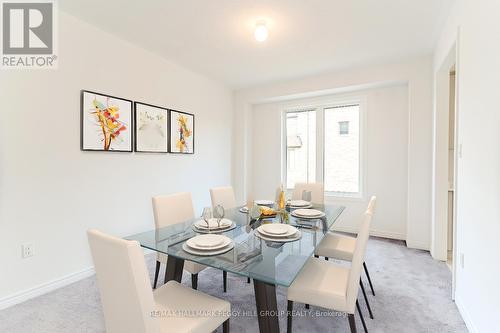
point(173, 209)
point(327, 285)
point(131, 306)
point(223, 196)
point(317, 192)
point(341, 247)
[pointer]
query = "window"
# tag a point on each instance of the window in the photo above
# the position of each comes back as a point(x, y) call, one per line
point(343, 127)
point(341, 170)
point(300, 147)
point(323, 144)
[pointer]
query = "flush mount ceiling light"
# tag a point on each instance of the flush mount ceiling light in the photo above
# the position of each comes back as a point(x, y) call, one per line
point(261, 31)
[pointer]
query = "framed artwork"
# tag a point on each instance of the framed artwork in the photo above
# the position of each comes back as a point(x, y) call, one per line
point(151, 128)
point(106, 122)
point(181, 132)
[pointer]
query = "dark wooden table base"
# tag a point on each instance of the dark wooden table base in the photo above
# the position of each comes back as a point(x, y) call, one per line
point(265, 296)
point(267, 307)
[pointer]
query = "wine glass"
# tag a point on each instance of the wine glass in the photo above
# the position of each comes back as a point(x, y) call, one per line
point(307, 196)
point(207, 215)
point(219, 214)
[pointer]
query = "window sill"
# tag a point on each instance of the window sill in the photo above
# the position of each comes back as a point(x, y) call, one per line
point(344, 198)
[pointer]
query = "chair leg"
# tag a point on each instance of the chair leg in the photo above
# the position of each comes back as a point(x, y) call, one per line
point(225, 326)
point(366, 298)
point(361, 316)
point(326, 258)
point(352, 323)
point(194, 281)
point(289, 317)
point(157, 271)
point(369, 280)
point(307, 306)
point(224, 280)
point(248, 280)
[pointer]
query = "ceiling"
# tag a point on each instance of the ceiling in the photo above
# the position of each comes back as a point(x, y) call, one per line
point(306, 37)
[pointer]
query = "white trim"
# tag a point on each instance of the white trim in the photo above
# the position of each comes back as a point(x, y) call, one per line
point(373, 232)
point(456, 166)
point(465, 315)
point(44, 288)
point(412, 244)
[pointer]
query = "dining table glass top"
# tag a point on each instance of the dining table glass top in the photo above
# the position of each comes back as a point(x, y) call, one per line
point(268, 261)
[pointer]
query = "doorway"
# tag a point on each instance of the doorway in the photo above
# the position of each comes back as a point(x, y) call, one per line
point(451, 168)
point(445, 154)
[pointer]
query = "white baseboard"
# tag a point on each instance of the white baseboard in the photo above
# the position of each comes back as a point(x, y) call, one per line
point(373, 232)
point(44, 288)
point(412, 244)
point(465, 315)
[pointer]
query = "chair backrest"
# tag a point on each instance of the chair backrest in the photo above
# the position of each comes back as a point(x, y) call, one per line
point(371, 205)
point(317, 192)
point(172, 209)
point(223, 196)
point(357, 261)
point(124, 285)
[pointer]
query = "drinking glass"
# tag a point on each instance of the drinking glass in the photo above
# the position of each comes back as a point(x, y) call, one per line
point(207, 215)
point(307, 196)
point(219, 214)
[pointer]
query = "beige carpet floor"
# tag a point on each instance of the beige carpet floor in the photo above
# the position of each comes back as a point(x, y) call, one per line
point(413, 294)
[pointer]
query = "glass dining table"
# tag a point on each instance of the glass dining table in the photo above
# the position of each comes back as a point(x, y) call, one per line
point(267, 263)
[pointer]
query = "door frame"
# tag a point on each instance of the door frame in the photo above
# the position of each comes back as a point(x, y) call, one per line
point(441, 114)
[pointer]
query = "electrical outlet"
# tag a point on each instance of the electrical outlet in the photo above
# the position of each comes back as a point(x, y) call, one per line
point(27, 250)
point(462, 260)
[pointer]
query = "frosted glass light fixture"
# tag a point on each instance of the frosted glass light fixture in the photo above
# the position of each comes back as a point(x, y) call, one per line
point(261, 33)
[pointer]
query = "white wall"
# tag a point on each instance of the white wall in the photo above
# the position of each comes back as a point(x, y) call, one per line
point(478, 182)
point(416, 73)
point(385, 157)
point(51, 192)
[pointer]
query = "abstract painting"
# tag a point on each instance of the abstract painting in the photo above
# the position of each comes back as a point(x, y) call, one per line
point(151, 128)
point(106, 122)
point(181, 132)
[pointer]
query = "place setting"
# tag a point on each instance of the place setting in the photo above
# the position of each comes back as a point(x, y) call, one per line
point(278, 232)
point(307, 214)
point(208, 245)
point(213, 221)
point(296, 204)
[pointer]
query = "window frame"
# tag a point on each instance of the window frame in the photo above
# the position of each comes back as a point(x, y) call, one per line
point(319, 106)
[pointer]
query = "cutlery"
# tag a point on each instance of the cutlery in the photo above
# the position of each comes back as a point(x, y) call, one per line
point(305, 226)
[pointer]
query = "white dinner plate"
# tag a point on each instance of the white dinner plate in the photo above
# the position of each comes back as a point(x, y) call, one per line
point(299, 203)
point(188, 249)
point(307, 217)
point(268, 203)
point(308, 213)
point(297, 207)
point(213, 231)
point(224, 223)
point(292, 238)
point(208, 242)
point(277, 229)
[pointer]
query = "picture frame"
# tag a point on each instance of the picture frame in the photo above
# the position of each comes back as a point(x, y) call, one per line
point(182, 132)
point(106, 122)
point(151, 128)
